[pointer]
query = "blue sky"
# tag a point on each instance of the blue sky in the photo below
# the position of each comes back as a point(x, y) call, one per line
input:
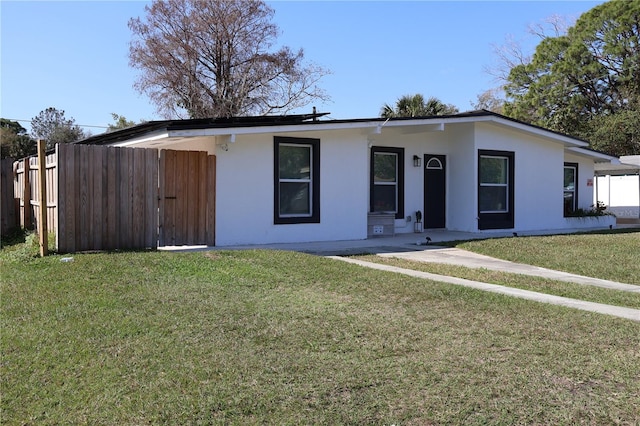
point(73, 55)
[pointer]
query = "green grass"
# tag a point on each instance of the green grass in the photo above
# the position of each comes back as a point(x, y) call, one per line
point(612, 255)
point(19, 244)
point(526, 282)
point(263, 337)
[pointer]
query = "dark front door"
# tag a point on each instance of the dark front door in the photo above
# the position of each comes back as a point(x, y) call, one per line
point(434, 191)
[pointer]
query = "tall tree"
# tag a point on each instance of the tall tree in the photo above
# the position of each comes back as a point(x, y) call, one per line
point(52, 126)
point(416, 106)
point(511, 54)
point(585, 80)
point(119, 122)
point(214, 59)
point(14, 140)
point(491, 101)
point(616, 134)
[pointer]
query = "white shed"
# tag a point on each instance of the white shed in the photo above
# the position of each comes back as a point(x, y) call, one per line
point(618, 187)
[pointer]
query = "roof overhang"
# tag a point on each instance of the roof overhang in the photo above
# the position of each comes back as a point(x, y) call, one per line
point(598, 157)
point(626, 165)
point(146, 140)
point(171, 132)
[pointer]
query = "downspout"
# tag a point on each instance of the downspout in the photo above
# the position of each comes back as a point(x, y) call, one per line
point(608, 190)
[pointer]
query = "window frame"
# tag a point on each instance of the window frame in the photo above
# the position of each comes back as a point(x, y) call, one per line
point(498, 219)
point(574, 208)
point(495, 185)
point(399, 153)
point(314, 181)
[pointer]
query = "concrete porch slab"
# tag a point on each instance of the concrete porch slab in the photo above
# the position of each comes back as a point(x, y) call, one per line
point(399, 242)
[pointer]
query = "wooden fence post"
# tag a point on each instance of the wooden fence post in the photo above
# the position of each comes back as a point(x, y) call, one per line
point(42, 191)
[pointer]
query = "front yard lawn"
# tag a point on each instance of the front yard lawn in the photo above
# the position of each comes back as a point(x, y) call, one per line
point(268, 337)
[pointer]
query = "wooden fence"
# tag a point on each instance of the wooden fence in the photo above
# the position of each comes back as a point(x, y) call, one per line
point(26, 192)
point(8, 207)
point(107, 199)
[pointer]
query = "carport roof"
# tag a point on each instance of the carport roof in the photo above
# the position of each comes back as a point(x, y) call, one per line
point(628, 165)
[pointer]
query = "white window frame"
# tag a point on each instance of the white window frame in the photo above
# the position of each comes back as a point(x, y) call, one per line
point(502, 185)
point(437, 164)
point(574, 191)
point(309, 181)
point(312, 215)
point(385, 183)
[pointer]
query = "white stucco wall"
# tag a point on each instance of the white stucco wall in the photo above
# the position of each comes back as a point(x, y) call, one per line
point(539, 168)
point(245, 191)
point(461, 178)
point(428, 142)
point(245, 188)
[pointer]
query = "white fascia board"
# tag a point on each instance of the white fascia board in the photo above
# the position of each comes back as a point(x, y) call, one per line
point(427, 124)
point(631, 160)
point(413, 128)
point(226, 131)
point(151, 137)
point(598, 157)
point(436, 124)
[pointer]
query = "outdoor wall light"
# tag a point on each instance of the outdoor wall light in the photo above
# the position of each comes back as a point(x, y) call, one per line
point(416, 161)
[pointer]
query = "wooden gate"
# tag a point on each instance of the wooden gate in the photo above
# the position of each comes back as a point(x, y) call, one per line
point(187, 198)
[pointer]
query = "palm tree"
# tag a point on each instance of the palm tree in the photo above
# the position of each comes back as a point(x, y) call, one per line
point(415, 106)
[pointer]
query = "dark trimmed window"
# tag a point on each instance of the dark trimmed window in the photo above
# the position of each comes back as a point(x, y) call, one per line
point(296, 180)
point(387, 181)
point(495, 189)
point(570, 188)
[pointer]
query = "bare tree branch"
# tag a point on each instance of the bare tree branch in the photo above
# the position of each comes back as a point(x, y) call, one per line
point(212, 59)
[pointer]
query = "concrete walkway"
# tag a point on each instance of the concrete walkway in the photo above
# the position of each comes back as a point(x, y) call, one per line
point(454, 256)
point(617, 311)
point(406, 246)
